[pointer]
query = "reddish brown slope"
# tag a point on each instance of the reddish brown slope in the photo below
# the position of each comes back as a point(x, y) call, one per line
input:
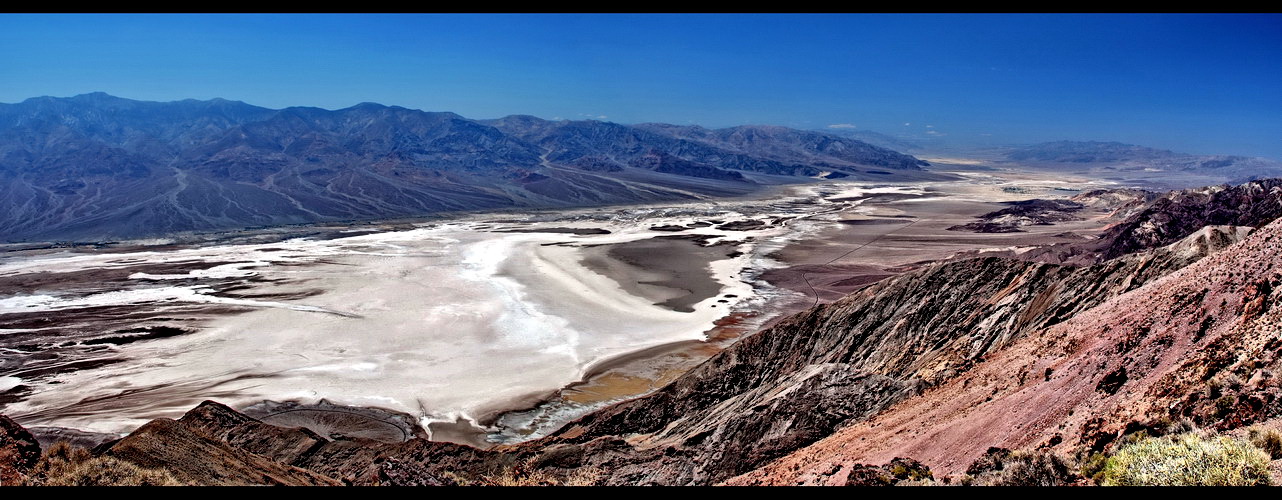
point(1139, 357)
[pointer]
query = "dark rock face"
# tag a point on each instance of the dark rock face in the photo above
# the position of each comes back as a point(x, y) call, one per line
point(1023, 213)
point(101, 167)
point(1112, 382)
point(19, 451)
point(661, 162)
point(1154, 220)
point(1180, 213)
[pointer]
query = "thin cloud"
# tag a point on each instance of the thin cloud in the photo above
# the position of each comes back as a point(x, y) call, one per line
point(842, 125)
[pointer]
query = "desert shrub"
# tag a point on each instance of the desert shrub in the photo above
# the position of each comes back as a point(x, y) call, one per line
point(10, 472)
point(1214, 388)
point(992, 460)
point(583, 476)
point(513, 477)
point(1134, 437)
point(107, 471)
point(1269, 440)
point(1224, 406)
point(1037, 469)
point(1185, 425)
point(1093, 467)
point(1187, 460)
point(521, 475)
point(917, 482)
point(1223, 384)
point(59, 460)
point(1232, 381)
point(66, 465)
point(908, 469)
point(1021, 468)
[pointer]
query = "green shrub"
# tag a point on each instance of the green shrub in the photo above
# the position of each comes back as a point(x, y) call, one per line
point(1187, 460)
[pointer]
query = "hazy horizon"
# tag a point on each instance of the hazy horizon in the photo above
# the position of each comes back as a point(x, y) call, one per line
point(1201, 84)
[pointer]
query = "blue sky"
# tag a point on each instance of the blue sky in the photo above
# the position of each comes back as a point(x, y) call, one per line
point(1194, 83)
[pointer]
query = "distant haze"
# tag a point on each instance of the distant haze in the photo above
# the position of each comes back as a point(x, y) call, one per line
point(1205, 84)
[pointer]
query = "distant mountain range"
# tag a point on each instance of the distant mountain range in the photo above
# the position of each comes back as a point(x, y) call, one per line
point(1089, 152)
point(877, 139)
point(1121, 158)
point(95, 166)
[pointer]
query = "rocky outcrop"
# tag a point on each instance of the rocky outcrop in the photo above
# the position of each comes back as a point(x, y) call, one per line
point(1200, 343)
point(1179, 213)
point(810, 374)
point(1023, 213)
point(1123, 203)
point(195, 458)
point(1163, 219)
point(19, 451)
point(215, 445)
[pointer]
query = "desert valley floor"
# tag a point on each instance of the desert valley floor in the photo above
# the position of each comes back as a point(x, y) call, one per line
point(483, 328)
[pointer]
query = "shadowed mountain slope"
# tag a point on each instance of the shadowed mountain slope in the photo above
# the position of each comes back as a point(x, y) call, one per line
point(101, 167)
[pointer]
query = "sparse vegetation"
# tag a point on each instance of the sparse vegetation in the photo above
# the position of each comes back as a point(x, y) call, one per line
point(1093, 467)
point(65, 465)
point(1218, 385)
point(1224, 406)
point(1189, 459)
point(520, 475)
point(1269, 440)
point(1020, 468)
point(1037, 469)
point(909, 470)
